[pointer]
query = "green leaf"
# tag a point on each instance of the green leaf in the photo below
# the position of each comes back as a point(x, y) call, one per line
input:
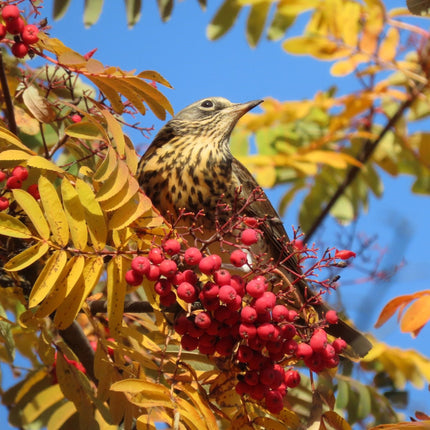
point(60, 8)
point(92, 11)
point(223, 19)
point(256, 21)
point(133, 9)
point(279, 25)
point(364, 403)
point(165, 7)
point(342, 397)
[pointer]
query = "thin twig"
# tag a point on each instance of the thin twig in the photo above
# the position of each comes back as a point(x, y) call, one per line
point(363, 157)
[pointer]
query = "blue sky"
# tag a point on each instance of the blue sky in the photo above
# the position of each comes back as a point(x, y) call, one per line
point(198, 68)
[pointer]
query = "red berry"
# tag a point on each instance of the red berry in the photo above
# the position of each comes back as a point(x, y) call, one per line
point(185, 276)
point(15, 26)
point(19, 49)
point(213, 329)
point(187, 292)
point(298, 244)
point(133, 278)
point(207, 340)
point(168, 300)
point(271, 377)
point(328, 352)
point(227, 294)
point(194, 330)
point(29, 34)
point(258, 392)
point(280, 313)
point(210, 290)
point(34, 191)
point(315, 362)
point(222, 277)
point(156, 255)
point(292, 315)
point(210, 264)
point(189, 343)
point(256, 343)
point(162, 287)
point(248, 315)
point(238, 258)
point(292, 378)
point(238, 284)
point(224, 346)
point(206, 349)
point(20, 172)
point(168, 268)
point(304, 351)
point(247, 331)
point(256, 287)
point(289, 347)
point(222, 313)
point(242, 388)
point(274, 402)
point(265, 303)
point(3, 31)
point(249, 236)
point(288, 331)
point(274, 347)
point(211, 304)
point(4, 203)
point(332, 362)
point(339, 345)
point(331, 317)
point(153, 273)
point(172, 247)
point(76, 118)
point(245, 354)
point(2, 176)
point(251, 377)
point(141, 265)
point(318, 340)
point(203, 320)
point(192, 256)
point(344, 254)
point(181, 324)
point(236, 304)
point(10, 12)
point(13, 182)
point(266, 331)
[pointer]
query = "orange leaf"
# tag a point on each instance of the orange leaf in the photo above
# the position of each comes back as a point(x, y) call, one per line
point(391, 308)
point(417, 315)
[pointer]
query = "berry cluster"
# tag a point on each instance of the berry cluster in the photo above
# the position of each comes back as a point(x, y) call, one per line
point(23, 34)
point(237, 317)
point(15, 179)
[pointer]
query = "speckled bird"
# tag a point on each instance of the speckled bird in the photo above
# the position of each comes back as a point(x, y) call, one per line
point(189, 166)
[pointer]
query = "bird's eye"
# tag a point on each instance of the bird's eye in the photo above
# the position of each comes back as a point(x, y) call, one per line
point(207, 104)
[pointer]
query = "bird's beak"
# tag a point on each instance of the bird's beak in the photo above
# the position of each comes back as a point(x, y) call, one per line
point(242, 108)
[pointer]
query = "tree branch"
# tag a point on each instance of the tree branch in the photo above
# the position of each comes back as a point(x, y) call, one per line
point(363, 157)
point(129, 307)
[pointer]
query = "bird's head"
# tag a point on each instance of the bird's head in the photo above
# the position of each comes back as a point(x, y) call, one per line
point(213, 117)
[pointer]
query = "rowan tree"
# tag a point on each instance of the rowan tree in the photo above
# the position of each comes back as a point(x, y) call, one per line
point(126, 323)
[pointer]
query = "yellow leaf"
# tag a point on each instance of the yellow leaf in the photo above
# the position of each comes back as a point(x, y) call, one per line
point(95, 66)
point(268, 423)
point(7, 138)
point(70, 307)
point(131, 211)
point(54, 212)
point(131, 156)
point(144, 422)
point(44, 164)
point(12, 155)
point(27, 257)
point(154, 76)
point(29, 384)
point(121, 198)
point(39, 106)
point(47, 277)
point(348, 20)
point(32, 209)
point(84, 130)
point(69, 278)
point(266, 176)
point(107, 166)
point(26, 123)
point(335, 420)
point(75, 214)
point(60, 416)
point(116, 289)
point(416, 425)
point(116, 132)
point(347, 66)
point(147, 388)
point(388, 47)
point(338, 160)
point(42, 401)
point(188, 413)
point(416, 315)
point(110, 93)
point(122, 86)
point(93, 215)
point(317, 46)
point(11, 226)
point(72, 58)
point(114, 183)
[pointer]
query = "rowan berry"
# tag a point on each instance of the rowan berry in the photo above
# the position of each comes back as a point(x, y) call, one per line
point(252, 377)
point(185, 276)
point(2, 176)
point(10, 12)
point(207, 340)
point(288, 331)
point(274, 402)
point(248, 315)
point(192, 256)
point(236, 304)
point(304, 351)
point(76, 118)
point(242, 388)
point(4, 203)
point(206, 349)
point(222, 313)
point(318, 340)
point(339, 345)
point(247, 331)
point(15, 26)
point(266, 331)
point(13, 182)
point(222, 277)
point(331, 317)
point(29, 34)
point(249, 236)
point(162, 287)
point(208, 265)
point(156, 255)
point(238, 258)
point(280, 313)
point(171, 247)
point(153, 273)
point(272, 377)
point(3, 31)
point(292, 315)
point(245, 354)
point(203, 320)
point(225, 345)
point(20, 172)
point(189, 343)
point(210, 290)
point(258, 392)
point(289, 347)
point(141, 265)
point(168, 268)
point(187, 292)
point(194, 330)
point(227, 294)
point(133, 278)
point(256, 287)
point(33, 189)
point(168, 300)
point(265, 303)
point(181, 324)
point(238, 284)
point(292, 378)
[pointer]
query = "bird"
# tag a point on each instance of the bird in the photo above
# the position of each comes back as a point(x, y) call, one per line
point(189, 166)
